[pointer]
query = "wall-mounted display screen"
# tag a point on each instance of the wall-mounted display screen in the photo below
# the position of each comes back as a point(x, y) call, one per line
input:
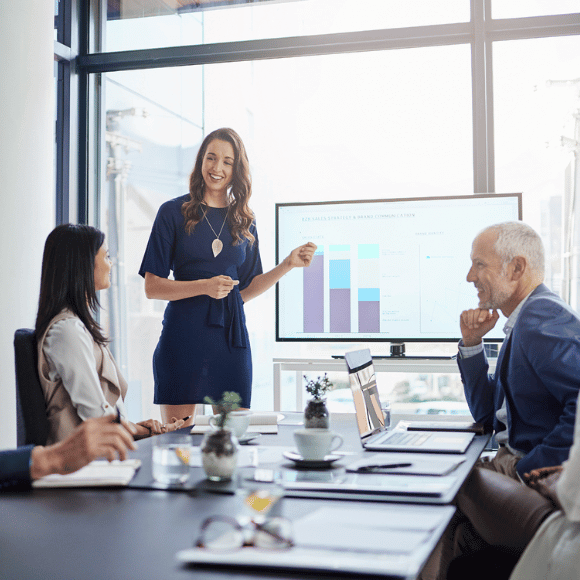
point(385, 270)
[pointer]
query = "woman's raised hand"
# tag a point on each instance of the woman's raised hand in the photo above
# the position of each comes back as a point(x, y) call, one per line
point(301, 256)
point(220, 286)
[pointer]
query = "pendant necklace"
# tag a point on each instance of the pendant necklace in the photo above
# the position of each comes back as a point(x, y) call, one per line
point(217, 245)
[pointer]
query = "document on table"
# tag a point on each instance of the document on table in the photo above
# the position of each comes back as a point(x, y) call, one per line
point(98, 473)
point(385, 540)
point(266, 423)
point(356, 529)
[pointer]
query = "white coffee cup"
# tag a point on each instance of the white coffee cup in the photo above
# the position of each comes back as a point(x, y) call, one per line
point(316, 444)
point(237, 421)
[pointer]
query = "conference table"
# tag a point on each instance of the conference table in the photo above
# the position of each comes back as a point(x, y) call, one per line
point(137, 531)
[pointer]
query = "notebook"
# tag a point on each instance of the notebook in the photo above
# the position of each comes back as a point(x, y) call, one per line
point(370, 420)
point(98, 473)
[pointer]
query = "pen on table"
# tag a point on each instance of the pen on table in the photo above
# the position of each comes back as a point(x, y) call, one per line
point(385, 466)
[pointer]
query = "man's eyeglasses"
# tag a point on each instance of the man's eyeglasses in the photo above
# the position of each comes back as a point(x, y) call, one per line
point(223, 533)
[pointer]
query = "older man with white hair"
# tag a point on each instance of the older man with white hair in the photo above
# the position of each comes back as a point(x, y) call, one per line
point(530, 400)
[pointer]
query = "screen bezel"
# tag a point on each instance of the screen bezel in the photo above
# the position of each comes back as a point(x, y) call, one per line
point(354, 339)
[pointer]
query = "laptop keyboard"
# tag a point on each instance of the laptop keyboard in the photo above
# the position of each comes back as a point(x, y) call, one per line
point(413, 439)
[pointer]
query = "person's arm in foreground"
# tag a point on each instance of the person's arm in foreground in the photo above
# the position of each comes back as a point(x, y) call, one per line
point(94, 438)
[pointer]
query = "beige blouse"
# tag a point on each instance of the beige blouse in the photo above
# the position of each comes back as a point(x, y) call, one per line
point(79, 377)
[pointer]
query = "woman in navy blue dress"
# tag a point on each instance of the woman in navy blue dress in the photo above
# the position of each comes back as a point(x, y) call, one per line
point(208, 239)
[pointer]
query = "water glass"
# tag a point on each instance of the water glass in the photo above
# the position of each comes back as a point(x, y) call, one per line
point(170, 463)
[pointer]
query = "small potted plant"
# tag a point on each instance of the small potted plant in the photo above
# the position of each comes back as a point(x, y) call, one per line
point(316, 413)
point(219, 447)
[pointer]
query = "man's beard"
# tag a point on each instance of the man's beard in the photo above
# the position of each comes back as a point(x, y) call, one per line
point(499, 296)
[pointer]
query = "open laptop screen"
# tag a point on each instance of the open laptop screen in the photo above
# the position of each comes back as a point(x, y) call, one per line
point(361, 373)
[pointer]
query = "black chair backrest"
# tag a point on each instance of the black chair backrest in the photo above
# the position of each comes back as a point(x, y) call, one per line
point(31, 420)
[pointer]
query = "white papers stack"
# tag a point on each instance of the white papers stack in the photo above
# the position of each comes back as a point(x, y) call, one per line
point(259, 423)
point(97, 473)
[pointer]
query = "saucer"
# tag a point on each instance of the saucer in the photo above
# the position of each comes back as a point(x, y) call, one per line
point(247, 437)
point(327, 461)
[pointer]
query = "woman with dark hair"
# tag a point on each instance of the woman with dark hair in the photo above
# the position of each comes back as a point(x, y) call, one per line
point(208, 239)
point(77, 372)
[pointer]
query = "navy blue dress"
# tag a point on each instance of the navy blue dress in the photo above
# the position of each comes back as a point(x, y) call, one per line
point(204, 348)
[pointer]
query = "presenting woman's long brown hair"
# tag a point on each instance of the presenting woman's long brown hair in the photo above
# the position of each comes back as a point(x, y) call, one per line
point(240, 216)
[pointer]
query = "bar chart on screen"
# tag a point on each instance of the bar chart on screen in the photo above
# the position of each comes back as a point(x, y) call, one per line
point(392, 269)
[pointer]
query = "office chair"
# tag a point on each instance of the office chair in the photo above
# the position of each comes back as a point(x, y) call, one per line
point(31, 420)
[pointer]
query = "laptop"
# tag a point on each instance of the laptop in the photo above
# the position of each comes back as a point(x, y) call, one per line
point(371, 423)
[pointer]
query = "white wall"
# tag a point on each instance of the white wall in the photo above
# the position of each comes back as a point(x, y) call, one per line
point(26, 177)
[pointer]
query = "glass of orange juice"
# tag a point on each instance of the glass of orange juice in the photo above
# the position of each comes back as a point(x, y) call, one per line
point(259, 501)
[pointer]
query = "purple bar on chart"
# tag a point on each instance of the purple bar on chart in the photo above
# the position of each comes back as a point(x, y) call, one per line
point(313, 298)
point(369, 316)
point(340, 310)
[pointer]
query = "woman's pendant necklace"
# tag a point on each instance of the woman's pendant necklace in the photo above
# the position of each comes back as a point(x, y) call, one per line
point(217, 245)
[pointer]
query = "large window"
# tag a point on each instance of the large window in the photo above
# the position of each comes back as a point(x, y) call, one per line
point(133, 24)
point(324, 128)
point(536, 104)
point(381, 103)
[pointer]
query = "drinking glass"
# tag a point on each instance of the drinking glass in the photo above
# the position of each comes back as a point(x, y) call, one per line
point(170, 463)
point(257, 502)
point(224, 533)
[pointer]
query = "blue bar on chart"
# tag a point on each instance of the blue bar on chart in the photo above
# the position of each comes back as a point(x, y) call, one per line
point(369, 296)
point(339, 287)
point(313, 293)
